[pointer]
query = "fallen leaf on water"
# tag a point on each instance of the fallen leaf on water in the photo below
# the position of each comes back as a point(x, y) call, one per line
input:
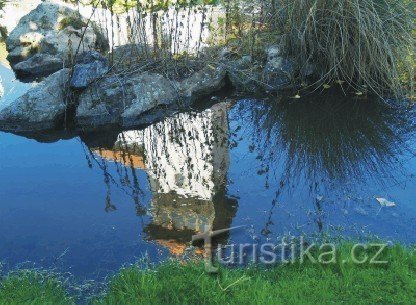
point(340, 82)
point(326, 86)
point(296, 96)
point(385, 203)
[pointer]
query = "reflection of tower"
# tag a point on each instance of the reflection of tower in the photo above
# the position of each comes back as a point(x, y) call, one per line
point(188, 154)
point(187, 158)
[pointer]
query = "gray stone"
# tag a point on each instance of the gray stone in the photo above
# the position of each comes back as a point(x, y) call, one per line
point(41, 108)
point(243, 74)
point(90, 67)
point(53, 29)
point(279, 70)
point(1, 88)
point(203, 82)
point(308, 69)
point(123, 100)
point(272, 52)
point(39, 64)
point(131, 51)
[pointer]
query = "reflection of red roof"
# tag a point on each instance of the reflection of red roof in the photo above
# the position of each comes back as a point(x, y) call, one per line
point(177, 248)
point(123, 157)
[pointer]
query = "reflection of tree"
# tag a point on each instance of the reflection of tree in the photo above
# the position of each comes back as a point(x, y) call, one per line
point(323, 140)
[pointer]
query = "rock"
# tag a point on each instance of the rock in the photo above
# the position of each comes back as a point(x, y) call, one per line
point(13, 10)
point(279, 70)
point(40, 108)
point(224, 53)
point(203, 82)
point(125, 100)
point(273, 52)
point(39, 64)
point(1, 88)
point(55, 30)
point(308, 69)
point(131, 51)
point(122, 100)
point(90, 67)
point(243, 74)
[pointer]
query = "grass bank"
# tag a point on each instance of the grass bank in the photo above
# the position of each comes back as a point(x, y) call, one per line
point(179, 283)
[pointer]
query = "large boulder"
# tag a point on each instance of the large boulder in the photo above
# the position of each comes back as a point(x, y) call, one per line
point(52, 30)
point(39, 65)
point(11, 11)
point(243, 74)
point(90, 66)
point(122, 100)
point(41, 108)
point(248, 75)
point(204, 82)
point(127, 99)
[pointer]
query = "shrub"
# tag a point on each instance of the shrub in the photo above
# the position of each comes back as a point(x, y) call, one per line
point(74, 21)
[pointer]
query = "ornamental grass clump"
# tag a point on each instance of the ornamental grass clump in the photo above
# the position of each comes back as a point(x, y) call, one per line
point(366, 45)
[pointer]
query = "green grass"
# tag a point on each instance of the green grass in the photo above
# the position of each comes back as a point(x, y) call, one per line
point(290, 284)
point(179, 283)
point(31, 287)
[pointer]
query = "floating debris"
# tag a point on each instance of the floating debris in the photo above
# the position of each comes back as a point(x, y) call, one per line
point(385, 203)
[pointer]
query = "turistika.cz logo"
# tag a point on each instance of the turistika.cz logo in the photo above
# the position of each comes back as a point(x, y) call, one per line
point(287, 251)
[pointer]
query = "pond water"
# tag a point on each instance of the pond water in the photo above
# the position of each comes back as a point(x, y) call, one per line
point(90, 203)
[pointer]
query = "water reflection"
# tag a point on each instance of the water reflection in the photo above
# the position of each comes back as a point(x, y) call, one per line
point(325, 150)
point(186, 158)
point(309, 155)
point(331, 138)
point(278, 166)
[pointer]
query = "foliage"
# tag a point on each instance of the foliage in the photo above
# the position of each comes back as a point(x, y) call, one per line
point(74, 21)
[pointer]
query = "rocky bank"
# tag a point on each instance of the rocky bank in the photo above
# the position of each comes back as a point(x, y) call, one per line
point(91, 94)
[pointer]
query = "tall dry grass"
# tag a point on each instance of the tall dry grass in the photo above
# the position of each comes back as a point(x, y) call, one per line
point(368, 44)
